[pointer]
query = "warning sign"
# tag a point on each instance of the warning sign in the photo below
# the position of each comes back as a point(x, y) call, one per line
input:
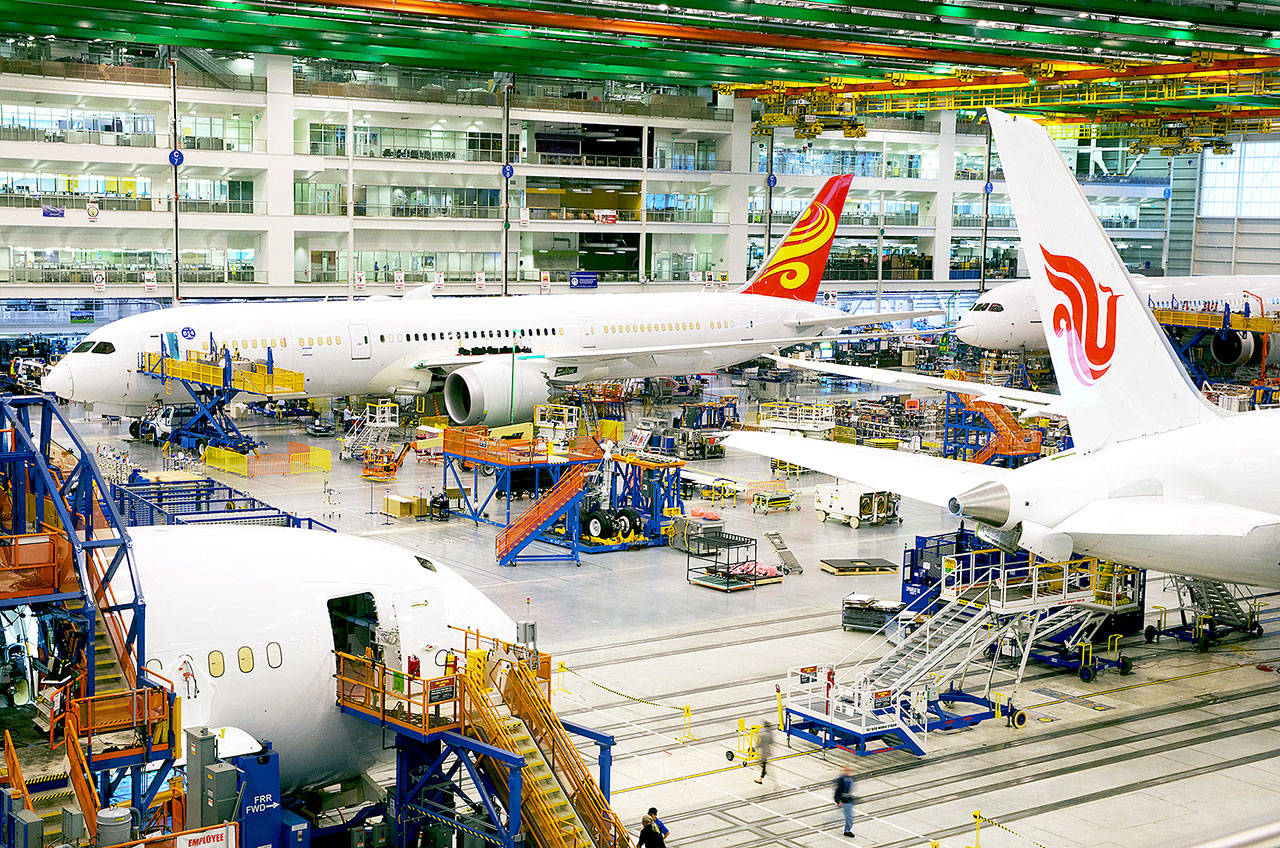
point(441, 690)
point(882, 699)
point(808, 674)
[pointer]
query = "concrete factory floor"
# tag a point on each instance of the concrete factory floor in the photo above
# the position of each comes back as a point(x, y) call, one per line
point(1186, 746)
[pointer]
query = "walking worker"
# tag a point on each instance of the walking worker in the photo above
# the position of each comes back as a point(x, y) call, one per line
point(650, 836)
point(764, 745)
point(662, 828)
point(844, 798)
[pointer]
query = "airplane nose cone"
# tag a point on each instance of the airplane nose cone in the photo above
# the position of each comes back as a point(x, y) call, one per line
point(58, 382)
point(967, 333)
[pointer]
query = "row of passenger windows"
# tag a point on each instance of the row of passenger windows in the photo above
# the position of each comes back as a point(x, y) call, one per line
point(244, 659)
point(303, 341)
point(664, 327)
point(470, 334)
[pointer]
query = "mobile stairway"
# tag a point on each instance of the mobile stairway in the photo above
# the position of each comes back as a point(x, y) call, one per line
point(1208, 610)
point(560, 501)
point(212, 381)
point(894, 701)
point(371, 431)
point(482, 752)
point(987, 433)
point(102, 724)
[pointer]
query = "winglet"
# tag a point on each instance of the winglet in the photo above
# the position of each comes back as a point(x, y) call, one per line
point(796, 266)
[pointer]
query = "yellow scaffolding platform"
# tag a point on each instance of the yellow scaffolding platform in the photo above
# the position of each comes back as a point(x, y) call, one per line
point(246, 376)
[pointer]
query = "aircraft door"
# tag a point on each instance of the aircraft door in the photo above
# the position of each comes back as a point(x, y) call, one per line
point(587, 336)
point(171, 345)
point(358, 334)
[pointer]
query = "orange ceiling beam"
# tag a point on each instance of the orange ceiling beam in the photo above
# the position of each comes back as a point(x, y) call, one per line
point(704, 34)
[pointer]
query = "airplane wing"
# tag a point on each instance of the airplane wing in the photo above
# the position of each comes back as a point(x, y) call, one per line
point(1018, 398)
point(923, 478)
point(807, 324)
point(587, 356)
point(1164, 516)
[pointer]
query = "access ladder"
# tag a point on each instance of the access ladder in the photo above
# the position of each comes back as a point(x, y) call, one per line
point(560, 499)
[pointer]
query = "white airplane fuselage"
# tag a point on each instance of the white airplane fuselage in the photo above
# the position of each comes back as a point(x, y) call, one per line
point(1006, 318)
point(252, 604)
point(400, 346)
point(1237, 462)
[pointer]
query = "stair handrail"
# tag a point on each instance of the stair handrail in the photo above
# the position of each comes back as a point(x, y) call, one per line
point(536, 813)
point(14, 772)
point(529, 704)
point(526, 522)
point(79, 775)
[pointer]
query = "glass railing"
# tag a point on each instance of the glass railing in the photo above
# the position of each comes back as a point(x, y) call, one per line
point(848, 219)
point(118, 73)
point(391, 210)
point(686, 216)
point(126, 139)
point(319, 207)
point(131, 204)
point(133, 275)
point(576, 214)
point(976, 221)
point(373, 151)
point(870, 274)
point(533, 276)
point(902, 219)
point(586, 160)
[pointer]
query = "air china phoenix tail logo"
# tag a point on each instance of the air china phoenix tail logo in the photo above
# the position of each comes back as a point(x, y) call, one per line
point(1087, 318)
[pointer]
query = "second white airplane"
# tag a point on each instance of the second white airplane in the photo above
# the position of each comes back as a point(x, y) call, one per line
point(494, 359)
point(1158, 478)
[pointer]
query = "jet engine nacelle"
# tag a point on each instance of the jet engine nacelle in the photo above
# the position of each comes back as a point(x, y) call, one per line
point(492, 393)
point(1232, 348)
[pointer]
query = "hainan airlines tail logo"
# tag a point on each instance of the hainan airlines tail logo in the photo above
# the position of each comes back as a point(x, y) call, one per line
point(794, 263)
point(1087, 320)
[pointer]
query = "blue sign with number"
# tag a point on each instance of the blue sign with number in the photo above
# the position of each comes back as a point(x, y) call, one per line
point(1168, 192)
point(188, 333)
point(507, 171)
point(175, 158)
point(988, 188)
point(583, 280)
point(772, 180)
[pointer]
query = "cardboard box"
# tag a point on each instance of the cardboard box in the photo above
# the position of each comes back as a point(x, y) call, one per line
point(397, 506)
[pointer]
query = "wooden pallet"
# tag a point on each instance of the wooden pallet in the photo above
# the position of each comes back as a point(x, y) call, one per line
point(851, 567)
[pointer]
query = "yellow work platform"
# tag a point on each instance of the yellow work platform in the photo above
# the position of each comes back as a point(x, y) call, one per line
point(245, 376)
point(1213, 320)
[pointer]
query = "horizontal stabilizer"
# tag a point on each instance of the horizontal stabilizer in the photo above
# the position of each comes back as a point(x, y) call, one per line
point(924, 478)
point(859, 320)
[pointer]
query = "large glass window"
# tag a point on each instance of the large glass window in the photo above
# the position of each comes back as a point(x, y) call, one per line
point(1244, 183)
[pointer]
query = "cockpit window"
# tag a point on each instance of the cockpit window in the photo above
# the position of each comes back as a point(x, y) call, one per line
point(104, 347)
point(425, 563)
point(83, 347)
point(996, 307)
point(980, 307)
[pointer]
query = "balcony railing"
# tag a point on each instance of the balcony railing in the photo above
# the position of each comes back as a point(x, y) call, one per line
point(118, 73)
point(976, 221)
point(115, 275)
point(391, 210)
point(585, 160)
point(575, 214)
point(108, 138)
point(685, 216)
point(131, 204)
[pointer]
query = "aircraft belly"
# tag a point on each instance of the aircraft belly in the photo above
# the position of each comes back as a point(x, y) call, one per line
point(1253, 559)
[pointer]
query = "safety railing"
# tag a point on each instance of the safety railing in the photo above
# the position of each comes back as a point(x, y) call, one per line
point(528, 522)
point(1017, 582)
point(225, 835)
point(485, 722)
point(1214, 320)
point(398, 698)
point(79, 775)
point(525, 698)
point(401, 210)
point(476, 444)
point(587, 160)
point(299, 459)
point(128, 73)
point(576, 213)
point(685, 216)
point(36, 564)
point(13, 771)
point(144, 710)
point(104, 599)
point(253, 377)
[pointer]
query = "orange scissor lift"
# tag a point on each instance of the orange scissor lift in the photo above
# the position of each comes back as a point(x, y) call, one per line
point(106, 726)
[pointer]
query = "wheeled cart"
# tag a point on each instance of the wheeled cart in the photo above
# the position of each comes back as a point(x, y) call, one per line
point(856, 506)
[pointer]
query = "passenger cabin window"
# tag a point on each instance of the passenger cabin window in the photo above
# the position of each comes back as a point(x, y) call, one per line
point(216, 665)
point(245, 656)
point(274, 657)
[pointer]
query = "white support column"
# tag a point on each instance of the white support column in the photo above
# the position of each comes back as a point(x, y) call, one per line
point(736, 243)
point(944, 200)
point(276, 127)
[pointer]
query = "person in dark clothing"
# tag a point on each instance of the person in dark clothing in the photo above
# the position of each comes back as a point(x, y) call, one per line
point(662, 828)
point(844, 798)
point(650, 836)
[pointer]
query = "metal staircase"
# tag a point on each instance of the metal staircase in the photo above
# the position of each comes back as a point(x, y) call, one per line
point(371, 431)
point(1215, 599)
point(962, 628)
point(528, 525)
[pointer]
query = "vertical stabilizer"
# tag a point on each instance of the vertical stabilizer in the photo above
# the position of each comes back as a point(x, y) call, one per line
point(796, 266)
point(1117, 373)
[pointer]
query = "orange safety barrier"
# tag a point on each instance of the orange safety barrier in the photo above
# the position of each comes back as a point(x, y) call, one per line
point(528, 522)
point(36, 564)
point(120, 710)
point(78, 773)
point(476, 444)
point(225, 835)
point(14, 771)
point(398, 698)
point(527, 702)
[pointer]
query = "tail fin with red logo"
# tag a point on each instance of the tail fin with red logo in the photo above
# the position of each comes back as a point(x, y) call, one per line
point(796, 266)
point(1118, 375)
